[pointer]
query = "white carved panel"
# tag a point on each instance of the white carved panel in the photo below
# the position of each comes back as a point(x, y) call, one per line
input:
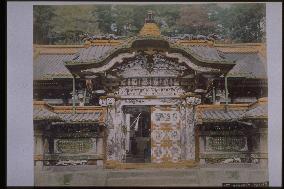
point(165, 135)
point(153, 81)
point(133, 91)
point(160, 67)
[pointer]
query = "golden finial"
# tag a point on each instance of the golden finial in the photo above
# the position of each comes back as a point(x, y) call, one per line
point(150, 27)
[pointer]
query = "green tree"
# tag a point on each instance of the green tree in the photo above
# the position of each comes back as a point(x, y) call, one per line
point(41, 23)
point(194, 19)
point(64, 24)
point(243, 22)
point(104, 17)
point(71, 21)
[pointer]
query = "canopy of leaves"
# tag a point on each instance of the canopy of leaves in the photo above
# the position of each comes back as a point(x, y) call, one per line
point(63, 24)
point(243, 22)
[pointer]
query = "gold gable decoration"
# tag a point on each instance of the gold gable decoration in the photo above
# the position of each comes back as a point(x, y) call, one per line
point(150, 28)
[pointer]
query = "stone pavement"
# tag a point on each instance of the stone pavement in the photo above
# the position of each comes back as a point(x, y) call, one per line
point(199, 176)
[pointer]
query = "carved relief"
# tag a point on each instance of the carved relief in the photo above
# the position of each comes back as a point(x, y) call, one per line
point(155, 66)
point(193, 100)
point(165, 135)
point(226, 143)
point(143, 101)
point(75, 146)
point(153, 81)
point(149, 91)
point(169, 117)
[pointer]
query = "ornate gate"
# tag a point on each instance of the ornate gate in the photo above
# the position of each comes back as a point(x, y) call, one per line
point(165, 134)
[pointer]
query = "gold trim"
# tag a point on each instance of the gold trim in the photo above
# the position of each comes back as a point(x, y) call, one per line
point(150, 29)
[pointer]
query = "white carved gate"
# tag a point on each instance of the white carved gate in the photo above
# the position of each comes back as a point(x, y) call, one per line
point(165, 134)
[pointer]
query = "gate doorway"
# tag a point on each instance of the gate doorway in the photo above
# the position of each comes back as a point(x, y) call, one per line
point(138, 137)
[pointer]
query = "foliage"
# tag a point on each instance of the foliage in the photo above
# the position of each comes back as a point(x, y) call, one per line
point(71, 21)
point(243, 22)
point(64, 24)
point(42, 26)
point(194, 19)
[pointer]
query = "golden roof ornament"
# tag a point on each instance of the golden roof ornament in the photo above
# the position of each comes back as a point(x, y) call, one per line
point(150, 27)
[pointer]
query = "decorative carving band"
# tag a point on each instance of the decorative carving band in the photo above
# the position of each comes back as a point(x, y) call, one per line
point(150, 91)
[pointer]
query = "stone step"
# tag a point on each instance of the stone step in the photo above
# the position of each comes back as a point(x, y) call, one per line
point(135, 160)
point(152, 173)
point(154, 181)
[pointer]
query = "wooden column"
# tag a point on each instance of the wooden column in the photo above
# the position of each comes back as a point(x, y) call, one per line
point(213, 95)
point(38, 148)
point(73, 95)
point(202, 144)
point(226, 91)
point(127, 121)
point(197, 147)
point(263, 146)
point(100, 150)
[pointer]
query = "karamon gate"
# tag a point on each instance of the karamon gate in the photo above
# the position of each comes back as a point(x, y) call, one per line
point(154, 86)
point(150, 80)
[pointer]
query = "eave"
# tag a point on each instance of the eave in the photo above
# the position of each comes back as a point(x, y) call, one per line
point(144, 42)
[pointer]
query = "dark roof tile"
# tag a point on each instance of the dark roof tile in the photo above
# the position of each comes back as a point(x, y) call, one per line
point(42, 113)
point(80, 117)
point(217, 115)
point(249, 65)
point(92, 53)
point(206, 52)
point(51, 65)
point(260, 110)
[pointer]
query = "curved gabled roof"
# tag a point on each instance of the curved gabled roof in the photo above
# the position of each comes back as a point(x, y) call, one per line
point(97, 56)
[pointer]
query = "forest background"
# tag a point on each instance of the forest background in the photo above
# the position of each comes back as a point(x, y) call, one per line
point(63, 24)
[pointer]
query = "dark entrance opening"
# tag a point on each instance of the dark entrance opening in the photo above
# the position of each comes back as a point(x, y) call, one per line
point(139, 134)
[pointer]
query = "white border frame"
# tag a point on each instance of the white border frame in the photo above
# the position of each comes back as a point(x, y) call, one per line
point(19, 85)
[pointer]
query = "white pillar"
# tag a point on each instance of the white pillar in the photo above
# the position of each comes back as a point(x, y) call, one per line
point(38, 148)
point(263, 146)
point(201, 148)
point(127, 122)
point(100, 146)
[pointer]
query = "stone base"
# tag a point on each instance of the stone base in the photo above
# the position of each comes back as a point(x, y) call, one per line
point(182, 164)
point(151, 177)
